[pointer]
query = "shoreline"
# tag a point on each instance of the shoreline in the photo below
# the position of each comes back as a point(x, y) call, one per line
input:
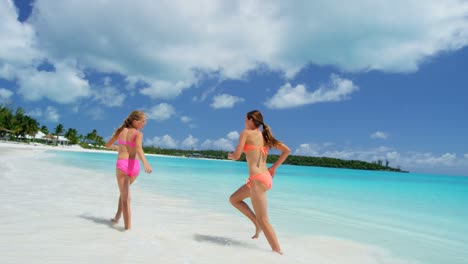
point(76, 148)
point(35, 145)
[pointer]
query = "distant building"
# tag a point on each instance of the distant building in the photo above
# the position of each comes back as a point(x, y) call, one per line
point(49, 139)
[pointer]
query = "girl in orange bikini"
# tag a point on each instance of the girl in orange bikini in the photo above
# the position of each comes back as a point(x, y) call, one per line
point(255, 144)
point(129, 140)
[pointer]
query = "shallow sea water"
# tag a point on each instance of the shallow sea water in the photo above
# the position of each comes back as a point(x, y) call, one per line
point(57, 207)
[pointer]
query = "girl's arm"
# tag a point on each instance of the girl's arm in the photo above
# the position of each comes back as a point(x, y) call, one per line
point(284, 154)
point(140, 153)
point(240, 147)
point(110, 143)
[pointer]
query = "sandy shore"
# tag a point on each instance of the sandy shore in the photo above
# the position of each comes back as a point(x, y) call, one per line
point(7, 145)
point(53, 212)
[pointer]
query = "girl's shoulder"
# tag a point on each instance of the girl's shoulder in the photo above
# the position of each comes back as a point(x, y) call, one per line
point(253, 135)
point(123, 131)
point(135, 132)
point(250, 131)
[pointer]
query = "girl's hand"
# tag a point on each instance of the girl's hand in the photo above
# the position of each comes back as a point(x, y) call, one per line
point(148, 168)
point(272, 171)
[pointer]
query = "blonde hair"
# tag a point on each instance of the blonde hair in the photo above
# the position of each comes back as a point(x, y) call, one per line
point(257, 119)
point(135, 115)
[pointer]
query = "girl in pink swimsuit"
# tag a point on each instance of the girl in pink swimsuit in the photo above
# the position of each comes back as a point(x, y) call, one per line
point(129, 146)
point(255, 143)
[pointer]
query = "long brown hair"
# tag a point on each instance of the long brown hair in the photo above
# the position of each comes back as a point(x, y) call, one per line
point(257, 119)
point(134, 115)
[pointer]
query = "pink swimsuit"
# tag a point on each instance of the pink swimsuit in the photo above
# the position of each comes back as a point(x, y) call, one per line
point(131, 167)
point(263, 177)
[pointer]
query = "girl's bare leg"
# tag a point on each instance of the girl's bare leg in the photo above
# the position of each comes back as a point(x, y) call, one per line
point(259, 203)
point(124, 186)
point(237, 200)
point(118, 214)
point(116, 218)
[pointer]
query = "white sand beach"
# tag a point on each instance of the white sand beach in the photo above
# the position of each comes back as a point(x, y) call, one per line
point(11, 145)
point(52, 213)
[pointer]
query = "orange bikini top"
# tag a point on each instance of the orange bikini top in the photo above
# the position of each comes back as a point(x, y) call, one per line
point(248, 147)
point(263, 152)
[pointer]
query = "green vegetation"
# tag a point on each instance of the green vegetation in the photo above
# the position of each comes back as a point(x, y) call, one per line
point(210, 154)
point(292, 159)
point(335, 163)
point(15, 125)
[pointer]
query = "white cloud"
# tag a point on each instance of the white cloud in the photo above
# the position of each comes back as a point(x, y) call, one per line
point(383, 149)
point(189, 142)
point(164, 43)
point(165, 141)
point(37, 112)
point(233, 37)
point(109, 96)
point(218, 144)
point(379, 135)
point(406, 160)
point(51, 114)
point(65, 85)
point(337, 89)
point(307, 150)
point(393, 155)
point(17, 42)
point(225, 101)
point(161, 112)
point(222, 143)
point(428, 159)
point(233, 135)
point(164, 89)
point(185, 119)
point(5, 94)
point(189, 121)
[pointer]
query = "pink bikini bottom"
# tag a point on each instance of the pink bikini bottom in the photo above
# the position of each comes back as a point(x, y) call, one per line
point(131, 167)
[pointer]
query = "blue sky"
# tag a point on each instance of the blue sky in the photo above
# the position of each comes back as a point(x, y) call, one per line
point(366, 80)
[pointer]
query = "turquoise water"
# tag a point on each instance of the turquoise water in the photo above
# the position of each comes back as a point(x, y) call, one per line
point(417, 217)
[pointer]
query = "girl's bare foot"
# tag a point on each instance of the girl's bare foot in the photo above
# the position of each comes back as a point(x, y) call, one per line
point(278, 251)
point(114, 221)
point(258, 230)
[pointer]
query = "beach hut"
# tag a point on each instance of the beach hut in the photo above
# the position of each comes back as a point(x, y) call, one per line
point(39, 136)
point(49, 138)
point(63, 141)
point(53, 139)
point(5, 133)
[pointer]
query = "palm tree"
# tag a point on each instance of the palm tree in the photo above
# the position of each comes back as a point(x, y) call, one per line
point(91, 137)
point(44, 130)
point(17, 123)
point(58, 130)
point(100, 141)
point(30, 126)
point(72, 135)
point(6, 120)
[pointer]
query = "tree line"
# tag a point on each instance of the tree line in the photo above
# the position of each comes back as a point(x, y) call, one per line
point(17, 126)
point(291, 159)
